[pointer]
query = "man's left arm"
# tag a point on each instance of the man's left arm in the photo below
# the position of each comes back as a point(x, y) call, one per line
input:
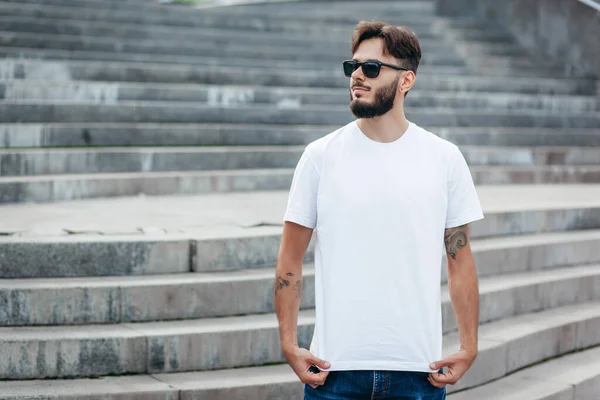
point(464, 294)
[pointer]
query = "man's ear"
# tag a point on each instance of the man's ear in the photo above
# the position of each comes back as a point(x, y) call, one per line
point(407, 81)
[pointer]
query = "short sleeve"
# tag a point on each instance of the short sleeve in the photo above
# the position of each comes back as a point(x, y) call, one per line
point(463, 201)
point(302, 200)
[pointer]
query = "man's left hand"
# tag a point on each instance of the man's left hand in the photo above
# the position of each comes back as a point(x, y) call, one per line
point(458, 363)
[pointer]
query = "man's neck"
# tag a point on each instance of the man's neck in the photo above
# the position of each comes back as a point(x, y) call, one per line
point(386, 128)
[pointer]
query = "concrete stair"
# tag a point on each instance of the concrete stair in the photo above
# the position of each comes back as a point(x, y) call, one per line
point(92, 73)
point(206, 328)
point(219, 343)
point(574, 376)
point(110, 290)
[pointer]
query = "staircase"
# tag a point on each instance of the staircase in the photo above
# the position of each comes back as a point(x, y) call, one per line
point(146, 151)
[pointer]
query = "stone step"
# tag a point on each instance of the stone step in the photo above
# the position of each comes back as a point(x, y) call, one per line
point(162, 134)
point(221, 35)
point(170, 41)
point(217, 95)
point(167, 45)
point(443, 64)
point(449, 63)
point(50, 188)
point(282, 9)
point(279, 9)
point(197, 18)
point(132, 111)
point(343, 12)
point(574, 376)
point(99, 300)
point(191, 43)
point(508, 345)
point(438, 79)
point(166, 159)
point(236, 57)
point(208, 344)
point(163, 235)
point(506, 296)
point(143, 387)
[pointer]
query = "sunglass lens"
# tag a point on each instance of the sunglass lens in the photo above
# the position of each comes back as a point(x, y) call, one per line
point(371, 70)
point(349, 68)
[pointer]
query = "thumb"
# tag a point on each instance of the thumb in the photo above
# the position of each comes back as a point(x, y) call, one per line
point(322, 364)
point(440, 364)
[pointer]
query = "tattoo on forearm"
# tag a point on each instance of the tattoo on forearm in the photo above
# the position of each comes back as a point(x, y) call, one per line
point(298, 288)
point(281, 283)
point(455, 239)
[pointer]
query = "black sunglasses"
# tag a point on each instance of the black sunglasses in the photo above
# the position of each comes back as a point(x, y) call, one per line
point(370, 68)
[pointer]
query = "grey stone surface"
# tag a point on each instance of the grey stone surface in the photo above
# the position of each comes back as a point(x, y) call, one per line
point(283, 97)
point(437, 52)
point(196, 261)
point(571, 377)
point(215, 233)
point(430, 79)
point(539, 208)
point(59, 302)
point(512, 388)
point(73, 187)
point(505, 296)
point(530, 253)
point(278, 8)
point(563, 32)
point(191, 296)
point(112, 160)
point(255, 383)
point(241, 252)
point(49, 188)
point(164, 134)
point(581, 370)
point(40, 352)
point(118, 388)
point(254, 340)
point(197, 19)
point(218, 343)
point(221, 35)
point(284, 41)
point(205, 295)
point(144, 134)
point(71, 111)
point(448, 62)
point(21, 163)
point(528, 339)
point(47, 257)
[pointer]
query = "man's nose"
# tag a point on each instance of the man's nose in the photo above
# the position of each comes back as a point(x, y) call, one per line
point(358, 75)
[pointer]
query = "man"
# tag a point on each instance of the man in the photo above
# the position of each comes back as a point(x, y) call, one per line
point(382, 194)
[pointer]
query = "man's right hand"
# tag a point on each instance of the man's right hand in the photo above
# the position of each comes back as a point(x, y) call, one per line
point(301, 360)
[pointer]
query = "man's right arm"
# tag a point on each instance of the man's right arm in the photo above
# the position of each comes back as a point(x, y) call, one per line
point(288, 281)
point(288, 293)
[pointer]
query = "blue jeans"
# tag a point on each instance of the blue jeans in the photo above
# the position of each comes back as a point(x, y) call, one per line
point(375, 385)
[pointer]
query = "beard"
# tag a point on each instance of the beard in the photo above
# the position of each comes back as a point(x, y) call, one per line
point(384, 101)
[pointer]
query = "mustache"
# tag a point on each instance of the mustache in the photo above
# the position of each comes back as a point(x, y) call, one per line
point(359, 85)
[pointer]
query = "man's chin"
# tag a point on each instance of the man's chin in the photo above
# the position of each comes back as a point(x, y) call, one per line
point(359, 101)
point(362, 112)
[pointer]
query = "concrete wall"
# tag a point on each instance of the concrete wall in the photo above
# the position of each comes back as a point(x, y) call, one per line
point(565, 31)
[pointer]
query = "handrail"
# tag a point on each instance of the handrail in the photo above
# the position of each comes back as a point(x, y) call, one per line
point(592, 3)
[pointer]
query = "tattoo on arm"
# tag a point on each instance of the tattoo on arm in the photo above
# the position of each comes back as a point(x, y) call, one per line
point(455, 239)
point(298, 288)
point(285, 282)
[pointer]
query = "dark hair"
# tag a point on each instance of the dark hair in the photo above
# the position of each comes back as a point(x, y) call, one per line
point(400, 41)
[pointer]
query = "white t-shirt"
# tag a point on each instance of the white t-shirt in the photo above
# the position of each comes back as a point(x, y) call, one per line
point(379, 211)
